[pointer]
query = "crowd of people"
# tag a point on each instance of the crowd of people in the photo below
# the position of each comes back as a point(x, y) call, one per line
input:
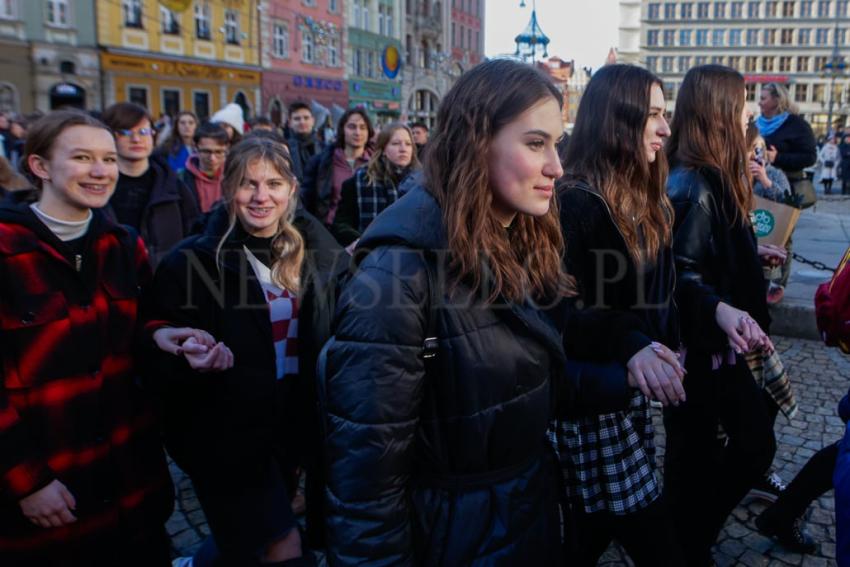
point(436, 351)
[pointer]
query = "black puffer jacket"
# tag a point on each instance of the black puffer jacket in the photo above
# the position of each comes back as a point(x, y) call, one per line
point(317, 182)
point(451, 468)
point(716, 258)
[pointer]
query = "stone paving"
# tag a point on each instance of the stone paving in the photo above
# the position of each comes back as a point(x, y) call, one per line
point(821, 377)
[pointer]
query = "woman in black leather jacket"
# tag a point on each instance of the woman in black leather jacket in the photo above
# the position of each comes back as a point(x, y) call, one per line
point(436, 450)
point(721, 296)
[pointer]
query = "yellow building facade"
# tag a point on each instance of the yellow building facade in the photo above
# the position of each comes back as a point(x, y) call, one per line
point(177, 55)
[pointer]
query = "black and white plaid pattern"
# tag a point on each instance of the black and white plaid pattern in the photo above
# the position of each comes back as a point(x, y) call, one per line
point(372, 197)
point(608, 460)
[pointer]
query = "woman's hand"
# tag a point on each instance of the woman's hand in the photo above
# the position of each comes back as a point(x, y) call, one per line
point(50, 507)
point(759, 172)
point(656, 372)
point(218, 359)
point(173, 340)
point(772, 255)
point(743, 332)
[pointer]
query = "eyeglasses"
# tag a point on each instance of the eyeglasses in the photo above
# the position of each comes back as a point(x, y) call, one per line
point(140, 132)
point(210, 153)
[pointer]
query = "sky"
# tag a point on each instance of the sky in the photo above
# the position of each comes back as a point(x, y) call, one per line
point(583, 30)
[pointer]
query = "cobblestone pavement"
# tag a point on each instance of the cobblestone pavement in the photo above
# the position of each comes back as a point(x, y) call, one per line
point(821, 377)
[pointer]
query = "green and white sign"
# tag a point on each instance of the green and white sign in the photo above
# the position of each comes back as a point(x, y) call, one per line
point(763, 222)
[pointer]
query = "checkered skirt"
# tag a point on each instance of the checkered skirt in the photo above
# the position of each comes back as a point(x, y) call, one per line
point(608, 460)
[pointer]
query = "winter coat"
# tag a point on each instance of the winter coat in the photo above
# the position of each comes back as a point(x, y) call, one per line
point(716, 258)
point(318, 192)
point(170, 213)
point(242, 422)
point(301, 154)
point(844, 150)
point(841, 482)
point(360, 202)
point(449, 466)
point(796, 144)
point(829, 153)
point(70, 403)
point(610, 283)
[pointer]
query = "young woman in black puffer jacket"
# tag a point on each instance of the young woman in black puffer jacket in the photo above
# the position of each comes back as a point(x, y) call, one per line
point(443, 459)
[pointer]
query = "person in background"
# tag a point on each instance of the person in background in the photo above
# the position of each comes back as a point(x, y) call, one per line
point(4, 133)
point(829, 158)
point(420, 136)
point(261, 123)
point(14, 141)
point(374, 187)
point(179, 144)
point(232, 119)
point(205, 166)
point(321, 186)
point(770, 183)
point(82, 473)
point(844, 150)
point(148, 196)
point(720, 292)
point(10, 180)
point(242, 417)
point(790, 142)
point(303, 141)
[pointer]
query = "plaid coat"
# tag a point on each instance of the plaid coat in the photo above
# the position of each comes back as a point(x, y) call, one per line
point(70, 406)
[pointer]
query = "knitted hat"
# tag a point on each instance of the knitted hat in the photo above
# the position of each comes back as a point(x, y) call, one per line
point(231, 114)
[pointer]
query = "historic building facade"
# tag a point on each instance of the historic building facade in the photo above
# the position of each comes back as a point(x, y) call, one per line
point(303, 56)
point(800, 43)
point(48, 55)
point(181, 54)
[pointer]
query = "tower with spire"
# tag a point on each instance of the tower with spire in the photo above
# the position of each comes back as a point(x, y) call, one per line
point(532, 41)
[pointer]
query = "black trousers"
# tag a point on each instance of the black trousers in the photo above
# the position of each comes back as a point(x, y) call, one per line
point(647, 536)
point(813, 480)
point(703, 481)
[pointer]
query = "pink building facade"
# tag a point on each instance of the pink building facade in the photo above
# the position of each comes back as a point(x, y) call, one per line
point(302, 55)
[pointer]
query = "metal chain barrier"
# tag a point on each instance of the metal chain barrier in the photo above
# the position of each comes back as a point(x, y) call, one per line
point(813, 263)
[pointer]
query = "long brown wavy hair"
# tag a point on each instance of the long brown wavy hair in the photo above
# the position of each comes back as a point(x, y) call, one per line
point(607, 151)
point(287, 243)
point(528, 263)
point(378, 169)
point(706, 131)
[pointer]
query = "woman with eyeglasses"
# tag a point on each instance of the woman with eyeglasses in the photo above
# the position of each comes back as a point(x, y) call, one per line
point(148, 197)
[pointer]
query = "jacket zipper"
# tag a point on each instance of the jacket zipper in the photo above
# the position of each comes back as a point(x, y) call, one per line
point(78, 262)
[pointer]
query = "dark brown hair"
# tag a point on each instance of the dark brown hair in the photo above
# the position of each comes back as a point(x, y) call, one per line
point(706, 131)
point(478, 106)
point(607, 150)
point(340, 127)
point(44, 132)
point(125, 115)
point(174, 141)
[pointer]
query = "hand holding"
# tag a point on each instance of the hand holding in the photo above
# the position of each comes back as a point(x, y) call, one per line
point(50, 507)
point(656, 375)
point(217, 359)
point(173, 340)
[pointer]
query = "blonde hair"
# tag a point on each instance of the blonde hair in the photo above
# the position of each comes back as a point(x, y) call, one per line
point(780, 93)
point(287, 243)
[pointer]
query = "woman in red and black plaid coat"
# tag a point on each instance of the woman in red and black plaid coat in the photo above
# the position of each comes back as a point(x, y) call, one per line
point(83, 479)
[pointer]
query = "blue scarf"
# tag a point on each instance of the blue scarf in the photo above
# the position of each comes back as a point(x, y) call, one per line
point(767, 126)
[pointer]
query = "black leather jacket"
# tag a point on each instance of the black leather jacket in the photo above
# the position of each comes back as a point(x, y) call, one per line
point(716, 257)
